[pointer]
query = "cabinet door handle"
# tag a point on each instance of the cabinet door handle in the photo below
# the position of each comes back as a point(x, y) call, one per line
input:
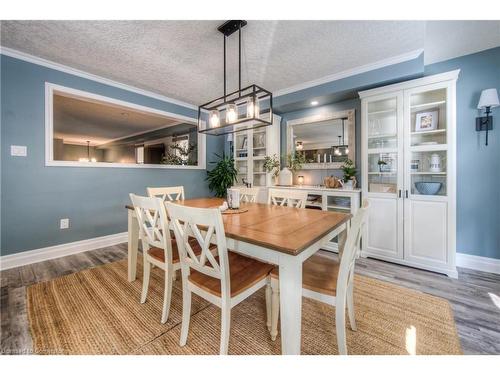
point(406, 193)
point(399, 193)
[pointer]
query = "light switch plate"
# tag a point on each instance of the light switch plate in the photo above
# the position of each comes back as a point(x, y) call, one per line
point(64, 224)
point(18, 150)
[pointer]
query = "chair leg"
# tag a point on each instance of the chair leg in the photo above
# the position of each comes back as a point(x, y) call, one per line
point(350, 305)
point(340, 324)
point(145, 279)
point(167, 296)
point(225, 327)
point(186, 313)
point(268, 304)
point(174, 275)
point(275, 307)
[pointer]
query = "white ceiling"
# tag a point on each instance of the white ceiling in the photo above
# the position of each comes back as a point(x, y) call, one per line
point(183, 59)
point(77, 121)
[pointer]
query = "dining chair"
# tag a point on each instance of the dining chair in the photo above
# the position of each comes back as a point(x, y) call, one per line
point(247, 194)
point(158, 248)
point(326, 280)
point(170, 193)
point(285, 197)
point(224, 278)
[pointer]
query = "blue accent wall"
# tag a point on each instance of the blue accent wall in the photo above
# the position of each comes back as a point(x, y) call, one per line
point(478, 166)
point(35, 197)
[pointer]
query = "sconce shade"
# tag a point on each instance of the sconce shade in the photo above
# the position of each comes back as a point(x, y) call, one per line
point(489, 98)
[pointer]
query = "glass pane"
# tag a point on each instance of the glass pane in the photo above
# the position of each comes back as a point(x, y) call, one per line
point(241, 145)
point(242, 168)
point(382, 124)
point(428, 118)
point(382, 173)
point(259, 175)
point(428, 173)
point(259, 143)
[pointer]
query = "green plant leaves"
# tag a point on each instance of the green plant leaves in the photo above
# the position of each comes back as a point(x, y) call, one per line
point(222, 176)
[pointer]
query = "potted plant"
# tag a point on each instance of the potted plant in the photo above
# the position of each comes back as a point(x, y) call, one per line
point(222, 176)
point(381, 164)
point(294, 163)
point(350, 171)
point(272, 167)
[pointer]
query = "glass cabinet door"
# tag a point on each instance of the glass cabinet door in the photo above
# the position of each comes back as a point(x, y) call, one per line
point(426, 160)
point(259, 142)
point(241, 146)
point(382, 142)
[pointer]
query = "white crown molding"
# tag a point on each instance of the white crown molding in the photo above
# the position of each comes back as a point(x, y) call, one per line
point(351, 72)
point(80, 73)
point(478, 263)
point(52, 252)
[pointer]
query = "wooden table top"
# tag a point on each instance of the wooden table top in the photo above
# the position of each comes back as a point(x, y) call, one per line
point(285, 229)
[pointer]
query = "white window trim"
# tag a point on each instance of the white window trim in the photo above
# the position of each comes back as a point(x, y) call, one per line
point(49, 131)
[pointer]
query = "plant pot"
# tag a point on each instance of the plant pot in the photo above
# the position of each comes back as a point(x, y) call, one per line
point(286, 177)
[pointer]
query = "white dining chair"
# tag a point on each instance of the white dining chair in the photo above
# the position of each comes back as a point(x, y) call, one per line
point(158, 248)
point(326, 280)
point(224, 278)
point(248, 194)
point(170, 193)
point(285, 197)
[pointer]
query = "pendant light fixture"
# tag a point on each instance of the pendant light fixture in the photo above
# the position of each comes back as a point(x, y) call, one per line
point(88, 159)
point(250, 107)
point(342, 148)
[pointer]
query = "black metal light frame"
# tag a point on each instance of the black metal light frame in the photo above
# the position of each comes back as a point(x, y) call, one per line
point(261, 98)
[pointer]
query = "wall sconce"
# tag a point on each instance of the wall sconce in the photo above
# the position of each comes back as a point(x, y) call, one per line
point(300, 180)
point(488, 100)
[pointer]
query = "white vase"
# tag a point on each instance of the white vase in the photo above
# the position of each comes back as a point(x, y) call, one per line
point(286, 177)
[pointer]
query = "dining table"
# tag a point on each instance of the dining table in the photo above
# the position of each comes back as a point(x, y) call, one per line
point(280, 235)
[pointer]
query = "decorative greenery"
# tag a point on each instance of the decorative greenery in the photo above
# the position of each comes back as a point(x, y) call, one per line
point(180, 158)
point(295, 161)
point(222, 176)
point(380, 164)
point(349, 170)
point(272, 165)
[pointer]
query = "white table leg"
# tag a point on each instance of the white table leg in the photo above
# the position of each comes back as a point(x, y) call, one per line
point(290, 270)
point(133, 244)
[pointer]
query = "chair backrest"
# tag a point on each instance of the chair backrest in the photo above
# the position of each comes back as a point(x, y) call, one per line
point(153, 223)
point(352, 245)
point(285, 197)
point(170, 193)
point(248, 194)
point(203, 224)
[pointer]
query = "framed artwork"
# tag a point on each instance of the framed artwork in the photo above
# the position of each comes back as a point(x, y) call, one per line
point(244, 143)
point(425, 121)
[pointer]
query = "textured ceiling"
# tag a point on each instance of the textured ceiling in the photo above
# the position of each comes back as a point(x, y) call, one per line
point(183, 59)
point(78, 121)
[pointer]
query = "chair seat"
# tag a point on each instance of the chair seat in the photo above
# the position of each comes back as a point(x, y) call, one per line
point(319, 274)
point(158, 253)
point(244, 273)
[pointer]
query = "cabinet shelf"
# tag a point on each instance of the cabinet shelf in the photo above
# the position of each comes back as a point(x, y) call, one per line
point(392, 110)
point(429, 173)
point(437, 131)
point(429, 148)
point(382, 150)
point(427, 105)
point(377, 136)
point(382, 173)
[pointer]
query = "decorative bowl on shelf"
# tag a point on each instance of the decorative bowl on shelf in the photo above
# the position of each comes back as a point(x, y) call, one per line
point(428, 187)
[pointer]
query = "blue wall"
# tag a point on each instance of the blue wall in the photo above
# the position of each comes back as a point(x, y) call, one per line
point(478, 166)
point(35, 197)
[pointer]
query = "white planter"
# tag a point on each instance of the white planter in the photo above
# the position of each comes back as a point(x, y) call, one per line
point(286, 177)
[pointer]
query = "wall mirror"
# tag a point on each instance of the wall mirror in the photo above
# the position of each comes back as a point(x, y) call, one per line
point(84, 129)
point(326, 140)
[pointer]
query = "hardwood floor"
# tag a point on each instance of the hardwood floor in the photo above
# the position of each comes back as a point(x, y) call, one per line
point(476, 315)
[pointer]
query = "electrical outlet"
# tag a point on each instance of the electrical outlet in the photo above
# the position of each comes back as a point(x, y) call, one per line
point(64, 224)
point(18, 150)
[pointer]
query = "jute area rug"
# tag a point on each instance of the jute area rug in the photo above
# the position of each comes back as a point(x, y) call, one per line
point(97, 311)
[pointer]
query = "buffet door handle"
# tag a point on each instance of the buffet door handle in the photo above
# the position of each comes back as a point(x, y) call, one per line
point(406, 193)
point(399, 193)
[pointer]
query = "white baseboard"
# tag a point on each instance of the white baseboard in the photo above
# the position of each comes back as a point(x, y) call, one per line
point(52, 252)
point(478, 263)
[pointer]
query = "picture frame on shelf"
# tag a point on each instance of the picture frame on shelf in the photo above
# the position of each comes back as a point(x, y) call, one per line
point(244, 143)
point(425, 121)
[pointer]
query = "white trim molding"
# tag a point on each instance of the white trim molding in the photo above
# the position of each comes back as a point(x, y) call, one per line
point(351, 72)
point(478, 263)
point(79, 73)
point(51, 88)
point(58, 251)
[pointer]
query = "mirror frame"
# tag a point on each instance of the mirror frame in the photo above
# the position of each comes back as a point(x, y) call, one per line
point(351, 128)
point(51, 89)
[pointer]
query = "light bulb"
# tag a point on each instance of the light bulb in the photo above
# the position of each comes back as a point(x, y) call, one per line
point(253, 108)
point(93, 160)
point(346, 150)
point(214, 118)
point(299, 146)
point(231, 114)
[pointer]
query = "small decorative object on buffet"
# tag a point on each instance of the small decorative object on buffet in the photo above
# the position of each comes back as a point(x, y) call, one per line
point(435, 163)
point(300, 180)
point(286, 177)
point(350, 171)
point(428, 187)
point(294, 164)
point(425, 121)
point(272, 167)
point(233, 198)
point(333, 182)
